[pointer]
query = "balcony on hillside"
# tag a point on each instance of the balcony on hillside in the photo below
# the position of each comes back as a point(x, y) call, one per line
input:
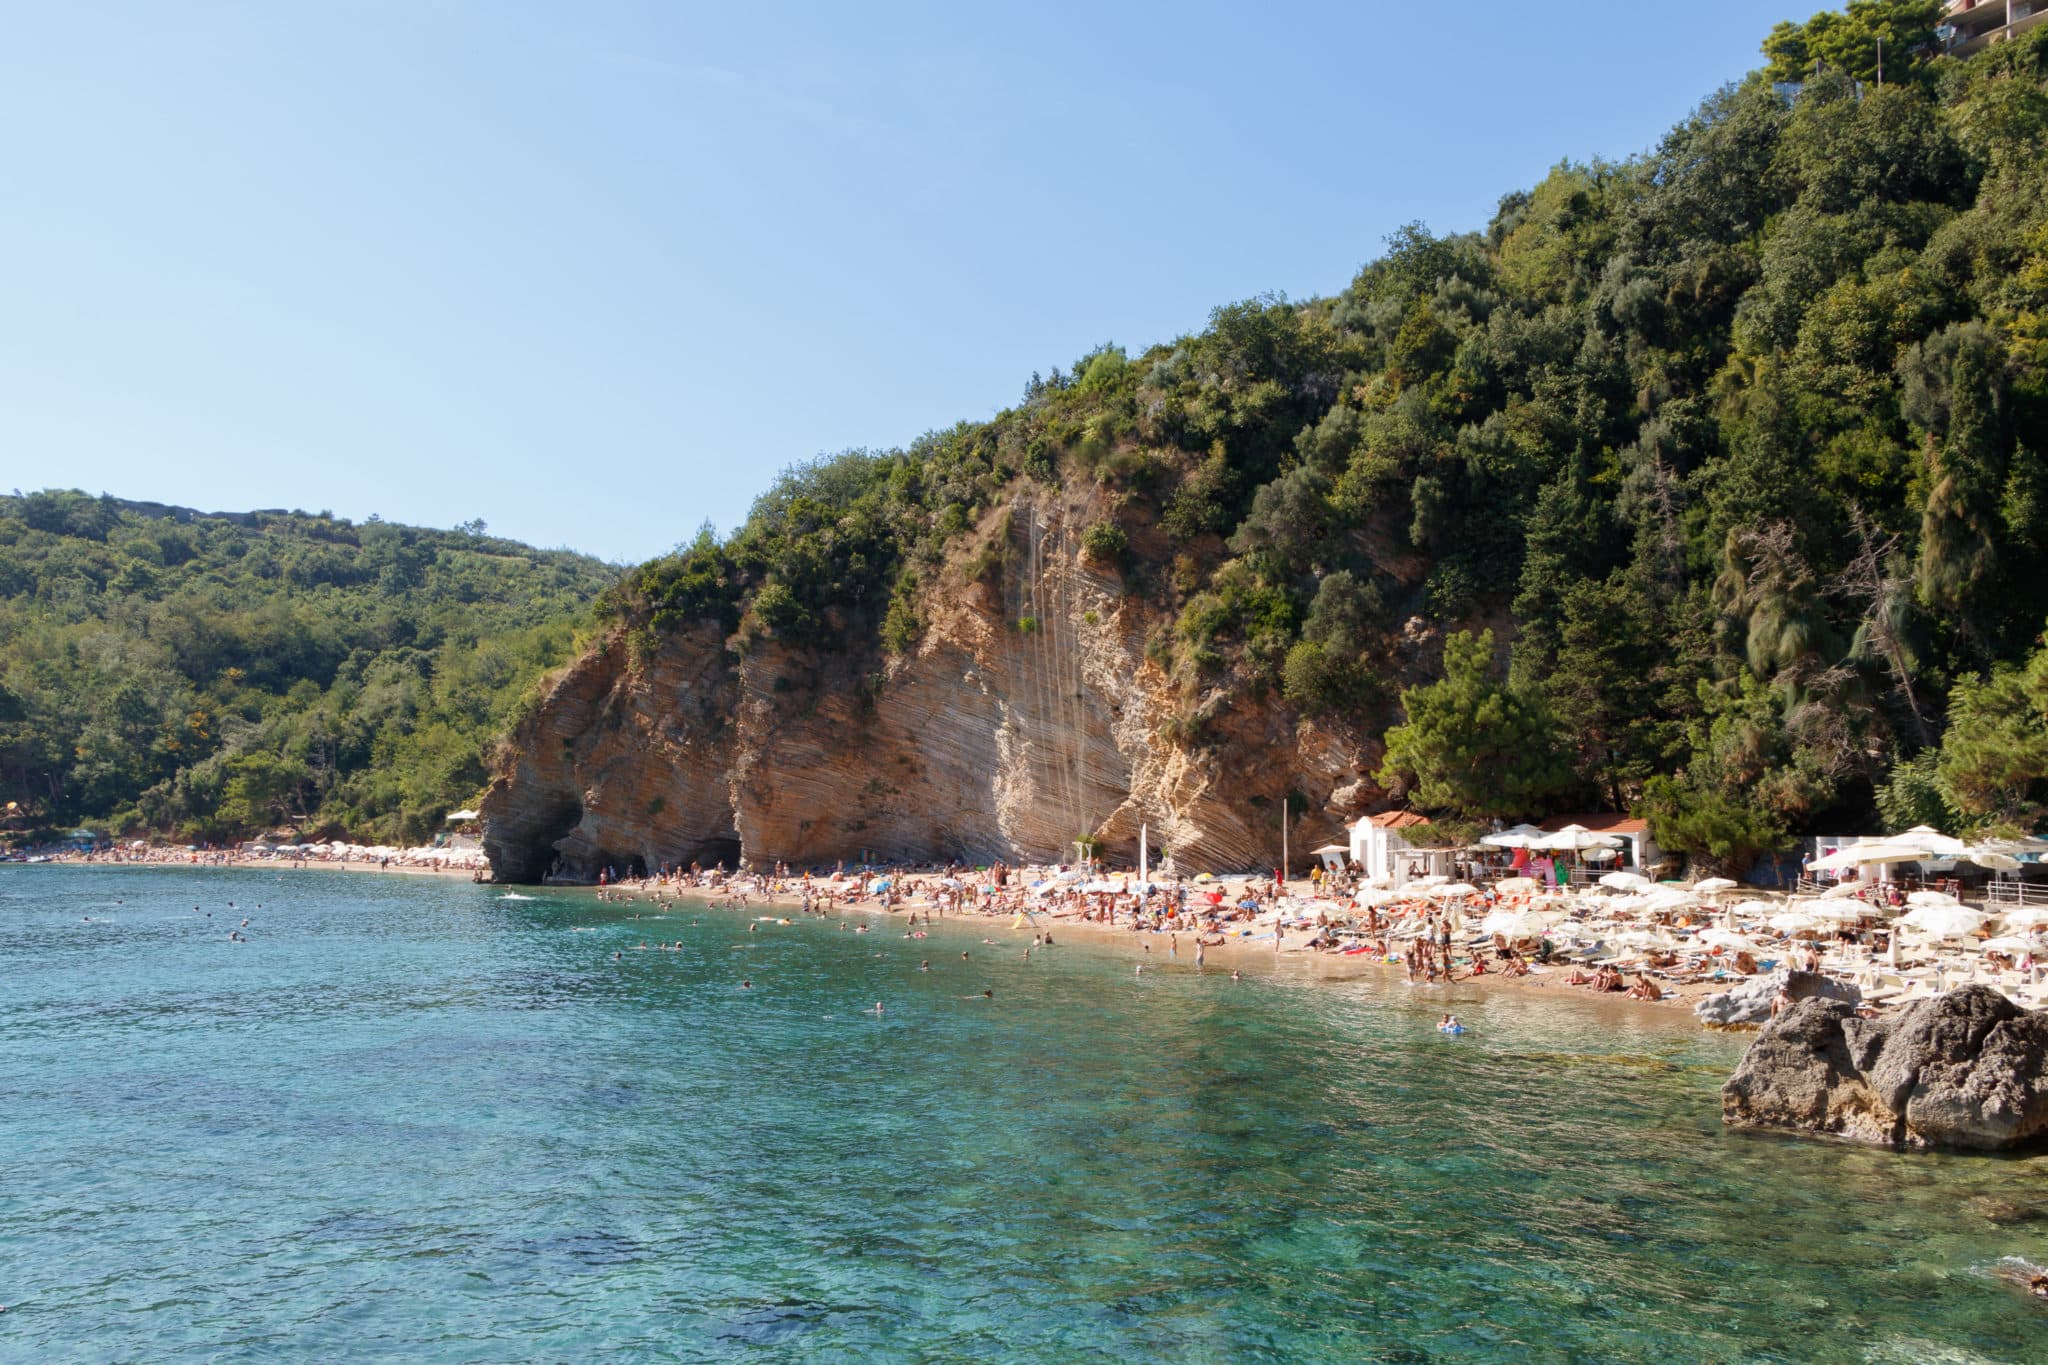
point(1970, 26)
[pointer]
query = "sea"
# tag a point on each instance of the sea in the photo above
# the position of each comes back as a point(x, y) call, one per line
point(417, 1119)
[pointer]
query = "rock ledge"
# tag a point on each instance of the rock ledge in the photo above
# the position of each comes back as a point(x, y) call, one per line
point(1967, 1070)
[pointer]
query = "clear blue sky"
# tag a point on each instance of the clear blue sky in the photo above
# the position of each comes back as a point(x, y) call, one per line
point(596, 271)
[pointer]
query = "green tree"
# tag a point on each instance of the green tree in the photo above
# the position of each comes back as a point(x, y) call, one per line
point(1994, 759)
point(1473, 746)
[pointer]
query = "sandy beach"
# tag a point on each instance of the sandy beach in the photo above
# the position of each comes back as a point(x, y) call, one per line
point(1156, 949)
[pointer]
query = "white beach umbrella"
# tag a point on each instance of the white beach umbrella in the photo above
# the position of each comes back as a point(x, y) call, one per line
point(1755, 909)
point(2026, 917)
point(1518, 837)
point(1841, 889)
point(1834, 913)
point(1993, 860)
point(1645, 938)
point(2016, 943)
point(1627, 881)
point(1575, 839)
point(1448, 890)
point(1794, 922)
point(1424, 883)
point(1936, 900)
point(1714, 886)
point(1601, 855)
point(1929, 840)
point(1732, 941)
point(1944, 921)
point(1372, 897)
point(1515, 886)
point(1516, 924)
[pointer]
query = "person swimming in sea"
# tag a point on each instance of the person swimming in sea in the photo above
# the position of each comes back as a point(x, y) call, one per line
point(925, 965)
point(746, 985)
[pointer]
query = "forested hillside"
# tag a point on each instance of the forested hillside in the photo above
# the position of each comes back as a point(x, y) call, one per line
point(214, 676)
point(1736, 450)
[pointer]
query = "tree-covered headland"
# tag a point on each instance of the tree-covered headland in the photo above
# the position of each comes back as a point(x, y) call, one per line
point(1708, 483)
point(211, 677)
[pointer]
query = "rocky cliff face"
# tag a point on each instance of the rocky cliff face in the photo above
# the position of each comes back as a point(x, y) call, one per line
point(1964, 1070)
point(1027, 716)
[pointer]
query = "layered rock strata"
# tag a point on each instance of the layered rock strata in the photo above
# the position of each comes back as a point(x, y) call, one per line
point(1028, 716)
point(1965, 1070)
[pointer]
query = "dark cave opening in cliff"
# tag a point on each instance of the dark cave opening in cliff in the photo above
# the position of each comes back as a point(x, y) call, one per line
point(714, 852)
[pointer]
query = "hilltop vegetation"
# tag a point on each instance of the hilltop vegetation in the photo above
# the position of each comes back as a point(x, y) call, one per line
point(214, 676)
point(1736, 447)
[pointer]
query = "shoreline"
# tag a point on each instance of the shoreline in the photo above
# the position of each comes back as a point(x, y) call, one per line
point(253, 865)
point(1232, 954)
point(1674, 1010)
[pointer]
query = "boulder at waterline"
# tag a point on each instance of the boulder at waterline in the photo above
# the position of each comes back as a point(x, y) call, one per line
point(1967, 1070)
point(1748, 1005)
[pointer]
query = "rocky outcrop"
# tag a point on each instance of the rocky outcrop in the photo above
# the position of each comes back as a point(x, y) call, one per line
point(1027, 716)
point(1966, 1070)
point(1749, 1004)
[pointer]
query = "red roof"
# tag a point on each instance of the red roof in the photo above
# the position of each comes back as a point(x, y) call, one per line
point(1396, 819)
point(1609, 823)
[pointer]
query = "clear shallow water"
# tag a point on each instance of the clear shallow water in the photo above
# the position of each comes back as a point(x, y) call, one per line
point(417, 1119)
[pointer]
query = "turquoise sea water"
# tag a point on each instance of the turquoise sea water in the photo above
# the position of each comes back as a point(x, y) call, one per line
point(424, 1120)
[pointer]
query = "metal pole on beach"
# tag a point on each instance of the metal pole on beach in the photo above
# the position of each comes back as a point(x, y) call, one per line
point(1283, 843)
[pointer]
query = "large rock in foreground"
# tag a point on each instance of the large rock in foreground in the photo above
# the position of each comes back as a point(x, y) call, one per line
point(1966, 1070)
